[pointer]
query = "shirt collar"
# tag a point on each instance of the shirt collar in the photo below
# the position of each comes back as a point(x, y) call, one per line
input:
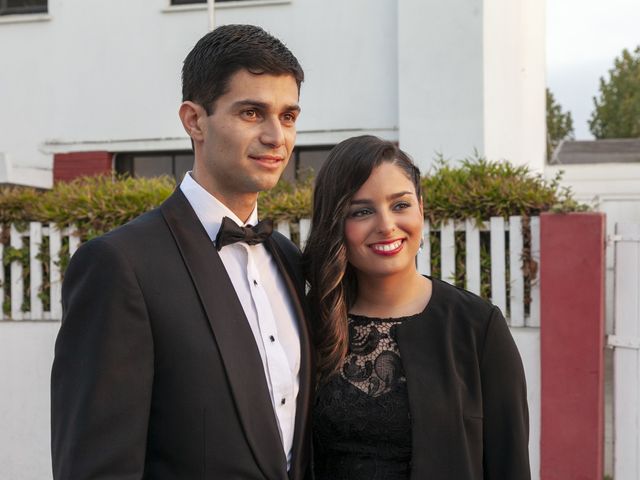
point(209, 209)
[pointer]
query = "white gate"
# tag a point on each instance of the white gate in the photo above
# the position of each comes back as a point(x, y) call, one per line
point(626, 344)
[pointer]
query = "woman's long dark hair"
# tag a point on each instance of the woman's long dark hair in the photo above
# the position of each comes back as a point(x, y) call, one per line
point(333, 283)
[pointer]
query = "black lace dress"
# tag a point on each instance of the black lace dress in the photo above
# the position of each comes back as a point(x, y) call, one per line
point(361, 420)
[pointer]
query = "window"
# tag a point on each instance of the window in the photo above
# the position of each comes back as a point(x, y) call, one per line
point(13, 7)
point(305, 160)
point(191, 2)
point(154, 164)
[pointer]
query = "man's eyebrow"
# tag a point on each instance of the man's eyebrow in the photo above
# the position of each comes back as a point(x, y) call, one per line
point(366, 201)
point(262, 105)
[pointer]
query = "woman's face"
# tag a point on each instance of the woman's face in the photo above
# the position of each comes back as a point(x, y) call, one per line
point(384, 224)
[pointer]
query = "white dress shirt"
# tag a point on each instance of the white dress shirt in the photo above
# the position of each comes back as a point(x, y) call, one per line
point(266, 304)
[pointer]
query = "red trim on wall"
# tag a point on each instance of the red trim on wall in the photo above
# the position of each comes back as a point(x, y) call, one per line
point(67, 166)
point(572, 256)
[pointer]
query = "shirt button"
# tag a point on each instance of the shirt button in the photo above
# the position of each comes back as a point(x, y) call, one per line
point(283, 401)
point(272, 338)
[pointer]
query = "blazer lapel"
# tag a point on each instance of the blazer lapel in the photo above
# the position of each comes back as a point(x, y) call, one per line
point(428, 377)
point(427, 348)
point(301, 452)
point(232, 334)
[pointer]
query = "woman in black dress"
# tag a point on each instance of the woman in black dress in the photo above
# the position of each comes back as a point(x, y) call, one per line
point(418, 379)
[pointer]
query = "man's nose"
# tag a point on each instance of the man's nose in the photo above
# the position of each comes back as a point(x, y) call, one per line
point(272, 132)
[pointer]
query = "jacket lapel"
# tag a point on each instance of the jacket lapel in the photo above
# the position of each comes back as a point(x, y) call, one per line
point(233, 336)
point(301, 452)
point(428, 351)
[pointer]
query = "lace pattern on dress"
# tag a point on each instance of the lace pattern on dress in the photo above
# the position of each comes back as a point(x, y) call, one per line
point(361, 418)
point(373, 362)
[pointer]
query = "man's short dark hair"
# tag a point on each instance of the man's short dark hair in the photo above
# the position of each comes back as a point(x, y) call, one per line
point(230, 48)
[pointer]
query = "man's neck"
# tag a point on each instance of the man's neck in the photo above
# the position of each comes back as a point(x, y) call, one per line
point(241, 204)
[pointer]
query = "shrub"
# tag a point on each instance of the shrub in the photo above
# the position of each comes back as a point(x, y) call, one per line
point(478, 189)
point(473, 189)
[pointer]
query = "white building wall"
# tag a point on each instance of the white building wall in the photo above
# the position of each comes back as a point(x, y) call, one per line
point(26, 355)
point(442, 77)
point(514, 82)
point(528, 342)
point(106, 75)
point(472, 78)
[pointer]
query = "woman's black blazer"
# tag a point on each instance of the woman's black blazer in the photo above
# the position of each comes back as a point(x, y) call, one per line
point(467, 391)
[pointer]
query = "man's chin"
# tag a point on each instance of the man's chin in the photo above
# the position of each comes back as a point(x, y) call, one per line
point(266, 183)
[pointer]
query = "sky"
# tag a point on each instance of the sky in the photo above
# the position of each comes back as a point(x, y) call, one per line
point(583, 39)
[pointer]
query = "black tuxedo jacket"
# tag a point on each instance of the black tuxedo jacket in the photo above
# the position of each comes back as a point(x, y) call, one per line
point(156, 372)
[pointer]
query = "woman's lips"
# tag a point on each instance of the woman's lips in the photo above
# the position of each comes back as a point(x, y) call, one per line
point(387, 248)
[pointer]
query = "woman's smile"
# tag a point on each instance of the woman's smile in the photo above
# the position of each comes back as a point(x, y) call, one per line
point(387, 248)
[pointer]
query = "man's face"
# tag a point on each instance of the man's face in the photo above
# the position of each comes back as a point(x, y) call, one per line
point(248, 139)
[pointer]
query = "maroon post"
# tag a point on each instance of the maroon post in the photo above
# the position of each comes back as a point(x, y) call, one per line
point(572, 257)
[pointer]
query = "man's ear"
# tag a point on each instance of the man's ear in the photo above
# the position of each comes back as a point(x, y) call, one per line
point(190, 113)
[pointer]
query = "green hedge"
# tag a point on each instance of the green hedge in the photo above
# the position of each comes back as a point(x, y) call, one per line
point(478, 189)
point(474, 188)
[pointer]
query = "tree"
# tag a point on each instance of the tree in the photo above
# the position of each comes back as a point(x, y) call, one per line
point(559, 124)
point(617, 111)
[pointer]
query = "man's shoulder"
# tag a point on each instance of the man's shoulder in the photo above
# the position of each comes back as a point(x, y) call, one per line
point(137, 229)
point(288, 248)
point(125, 241)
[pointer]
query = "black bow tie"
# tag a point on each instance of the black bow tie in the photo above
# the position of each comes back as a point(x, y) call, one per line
point(230, 232)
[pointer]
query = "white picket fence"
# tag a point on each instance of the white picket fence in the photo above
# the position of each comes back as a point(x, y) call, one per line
point(626, 344)
point(506, 271)
point(503, 274)
point(34, 236)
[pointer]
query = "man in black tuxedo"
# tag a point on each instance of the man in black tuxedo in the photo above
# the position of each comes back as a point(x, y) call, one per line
point(184, 351)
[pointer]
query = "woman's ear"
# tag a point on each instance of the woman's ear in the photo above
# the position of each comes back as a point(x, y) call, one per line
point(190, 113)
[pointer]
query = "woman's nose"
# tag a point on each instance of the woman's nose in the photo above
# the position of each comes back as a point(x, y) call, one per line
point(386, 224)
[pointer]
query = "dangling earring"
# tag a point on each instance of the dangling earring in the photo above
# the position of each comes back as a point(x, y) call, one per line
point(421, 245)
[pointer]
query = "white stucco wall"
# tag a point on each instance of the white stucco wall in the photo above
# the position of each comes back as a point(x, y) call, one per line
point(440, 78)
point(472, 77)
point(446, 77)
point(528, 342)
point(105, 75)
point(514, 82)
point(26, 355)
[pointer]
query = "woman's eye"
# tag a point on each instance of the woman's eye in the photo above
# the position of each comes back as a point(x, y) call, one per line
point(360, 213)
point(402, 205)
